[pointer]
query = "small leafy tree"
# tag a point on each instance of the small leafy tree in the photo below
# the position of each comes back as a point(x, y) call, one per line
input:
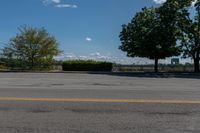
point(151, 34)
point(33, 47)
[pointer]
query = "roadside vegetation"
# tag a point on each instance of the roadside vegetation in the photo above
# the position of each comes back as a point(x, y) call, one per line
point(30, 49)
point(86, 65)
point(154, 32)
point(165, 31)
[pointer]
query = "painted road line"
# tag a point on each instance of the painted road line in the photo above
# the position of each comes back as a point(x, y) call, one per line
point(100, 100)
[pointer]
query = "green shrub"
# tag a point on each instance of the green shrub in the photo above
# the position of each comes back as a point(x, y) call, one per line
point(2, 66)
point(86, 65)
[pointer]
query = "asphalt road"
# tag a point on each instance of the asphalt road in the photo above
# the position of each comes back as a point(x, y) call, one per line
point(98, 103)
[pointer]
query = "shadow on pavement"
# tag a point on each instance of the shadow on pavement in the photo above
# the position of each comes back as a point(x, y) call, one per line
point(150, 74)
point(189, 75)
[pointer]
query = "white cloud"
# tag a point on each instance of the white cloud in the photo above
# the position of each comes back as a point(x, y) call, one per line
point(194, 2)
point(159, 1)
point(93, 56)
point(66, 6)
point(163, 1)
point(59, 4)
point(66, 56)
point(56, 1)
point(120, 59)
point(97, 56)
point(46, 2)
point(88, 39)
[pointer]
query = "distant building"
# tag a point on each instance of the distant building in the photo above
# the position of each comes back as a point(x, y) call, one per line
point(175, 61)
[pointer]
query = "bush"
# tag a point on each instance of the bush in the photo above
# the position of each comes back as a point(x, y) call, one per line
point(89, 65)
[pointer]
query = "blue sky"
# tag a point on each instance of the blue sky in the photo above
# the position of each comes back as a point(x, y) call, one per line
point(85, 29)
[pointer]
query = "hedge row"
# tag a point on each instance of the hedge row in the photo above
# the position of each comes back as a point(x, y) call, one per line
point(89, 65)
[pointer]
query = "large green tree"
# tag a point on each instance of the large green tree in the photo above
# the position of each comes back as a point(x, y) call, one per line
point(190, 39)
point(34, 47)
point(151, 34)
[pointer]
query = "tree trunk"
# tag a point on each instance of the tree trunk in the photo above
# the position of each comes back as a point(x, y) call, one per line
point(156, 66)
point(196, 62)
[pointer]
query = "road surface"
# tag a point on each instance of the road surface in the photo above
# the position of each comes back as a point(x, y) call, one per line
point(98, 103)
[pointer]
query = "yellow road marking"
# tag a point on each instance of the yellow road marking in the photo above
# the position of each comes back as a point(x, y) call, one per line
point(100, 100)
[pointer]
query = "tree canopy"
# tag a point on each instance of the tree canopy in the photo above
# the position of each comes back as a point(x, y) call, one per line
point(34, 47)
point(150, 34)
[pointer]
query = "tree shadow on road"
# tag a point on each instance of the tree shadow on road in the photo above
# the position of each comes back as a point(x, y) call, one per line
point(151, 74)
